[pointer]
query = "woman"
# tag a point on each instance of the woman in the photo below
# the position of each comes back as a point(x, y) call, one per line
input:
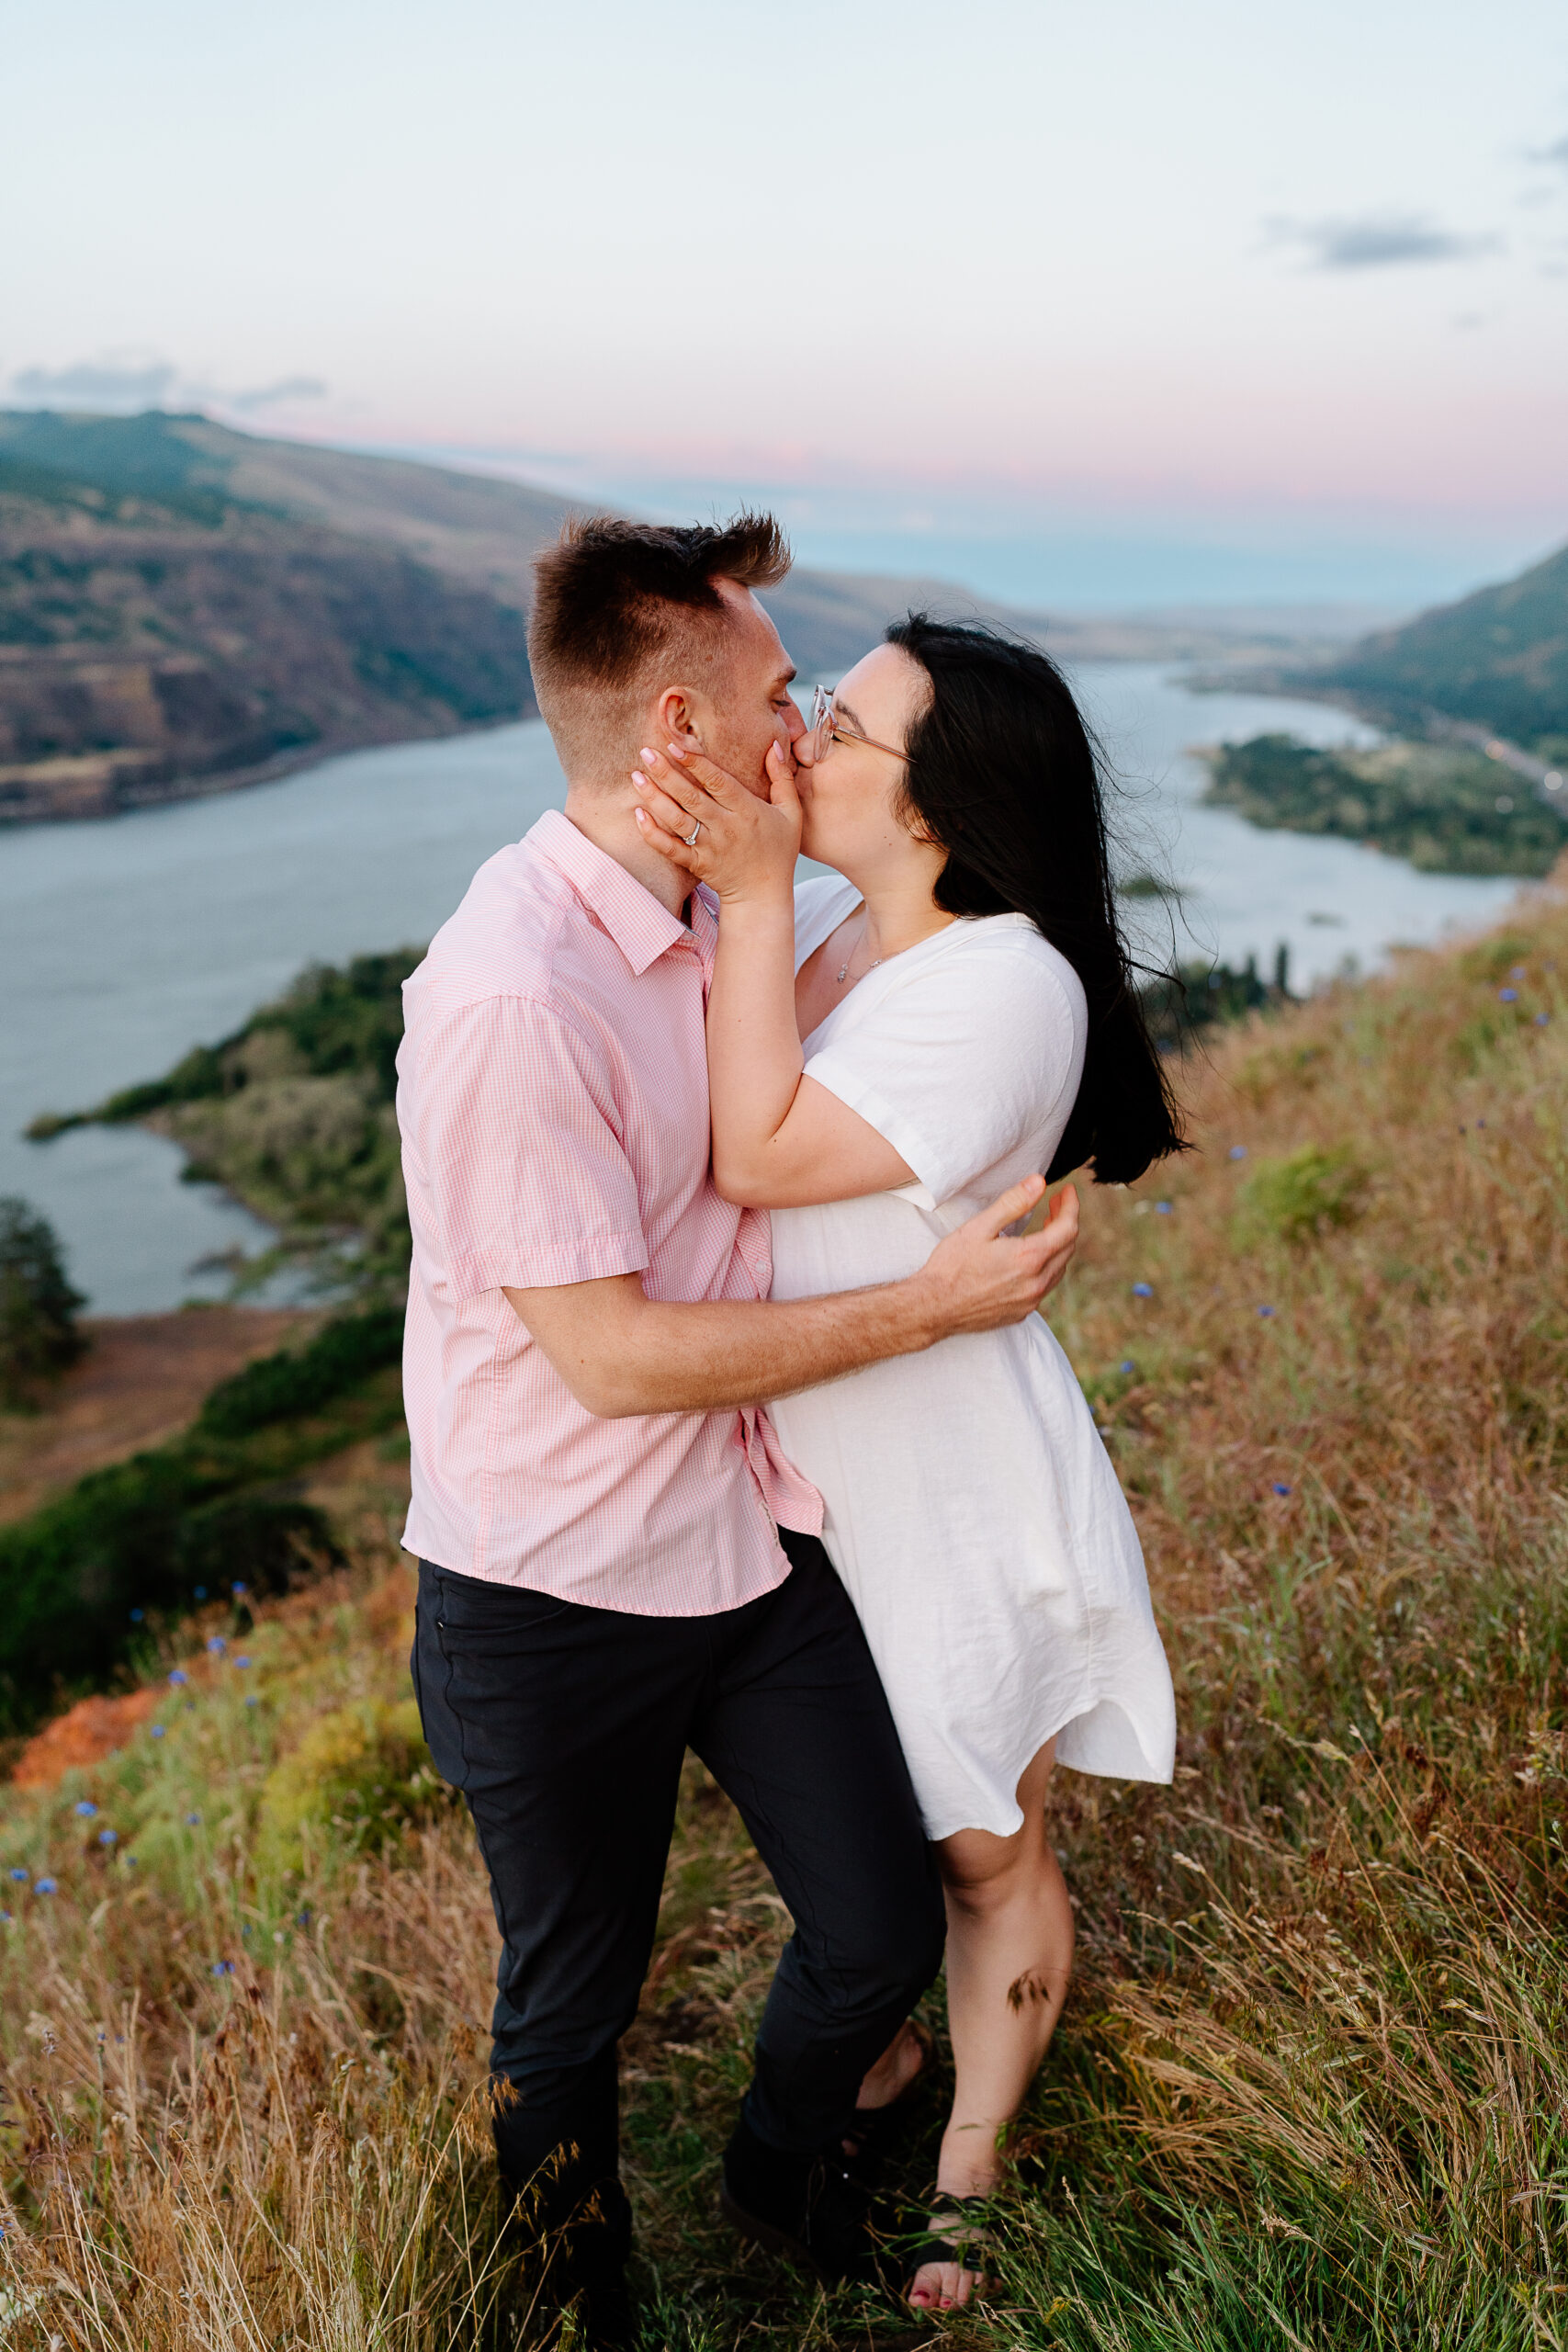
point(889, 1048)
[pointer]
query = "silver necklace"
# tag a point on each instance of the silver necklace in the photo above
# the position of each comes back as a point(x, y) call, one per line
point(844, 966)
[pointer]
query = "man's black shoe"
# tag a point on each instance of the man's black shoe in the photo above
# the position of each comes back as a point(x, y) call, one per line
point(603, 2307)
point(576, 2265)
point(810, 2209)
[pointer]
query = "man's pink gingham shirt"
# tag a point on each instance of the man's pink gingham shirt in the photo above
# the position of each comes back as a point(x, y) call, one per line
point(552, 1094)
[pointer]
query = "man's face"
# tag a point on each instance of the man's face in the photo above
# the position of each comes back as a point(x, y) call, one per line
point(749, 704)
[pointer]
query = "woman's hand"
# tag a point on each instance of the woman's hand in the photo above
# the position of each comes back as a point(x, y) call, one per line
point(745, 847)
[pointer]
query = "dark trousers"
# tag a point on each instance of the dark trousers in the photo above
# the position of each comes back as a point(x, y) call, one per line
point(565, 1727)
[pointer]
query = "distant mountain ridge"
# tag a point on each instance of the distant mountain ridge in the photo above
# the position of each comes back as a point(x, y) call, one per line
point(1498, 658)
point(183, 607)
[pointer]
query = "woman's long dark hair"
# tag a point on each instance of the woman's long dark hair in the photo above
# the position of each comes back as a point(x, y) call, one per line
point(1004, 774)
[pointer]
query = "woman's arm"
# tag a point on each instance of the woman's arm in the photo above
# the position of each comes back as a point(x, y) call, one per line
point(779, 1140)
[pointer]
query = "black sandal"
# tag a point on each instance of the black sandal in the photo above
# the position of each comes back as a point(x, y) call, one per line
point(934, 2247)
point(876, 2130)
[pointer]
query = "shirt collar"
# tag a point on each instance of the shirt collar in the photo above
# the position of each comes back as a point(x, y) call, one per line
point(640, 927)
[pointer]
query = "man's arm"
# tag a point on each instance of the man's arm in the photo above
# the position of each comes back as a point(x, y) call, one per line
point(621, 1353)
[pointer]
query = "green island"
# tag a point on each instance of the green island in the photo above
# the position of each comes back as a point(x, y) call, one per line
point(1445, 808)
point(294, 1115)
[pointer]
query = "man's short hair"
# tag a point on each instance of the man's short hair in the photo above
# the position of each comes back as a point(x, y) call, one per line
point(618, 603)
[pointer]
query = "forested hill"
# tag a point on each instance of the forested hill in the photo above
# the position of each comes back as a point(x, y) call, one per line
point(178, 610)
point(1498, 658)
point(183, 607)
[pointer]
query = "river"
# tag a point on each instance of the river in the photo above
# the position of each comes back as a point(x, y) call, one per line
point(126, 942)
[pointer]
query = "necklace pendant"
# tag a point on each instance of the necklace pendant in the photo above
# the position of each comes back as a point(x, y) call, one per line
point(843, 974)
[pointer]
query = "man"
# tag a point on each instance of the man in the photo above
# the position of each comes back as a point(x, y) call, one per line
point(616, 1561)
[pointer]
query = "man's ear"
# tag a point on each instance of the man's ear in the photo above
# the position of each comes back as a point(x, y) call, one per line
point(675, 713)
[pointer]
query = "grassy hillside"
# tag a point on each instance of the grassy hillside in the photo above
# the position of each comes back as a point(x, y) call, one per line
point(1448, 810)
point(1498, 658)
point(1308, 2090)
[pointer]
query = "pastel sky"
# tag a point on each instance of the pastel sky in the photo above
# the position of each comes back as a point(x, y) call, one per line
point(1299, 262)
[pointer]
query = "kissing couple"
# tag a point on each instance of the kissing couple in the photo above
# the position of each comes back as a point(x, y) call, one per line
point(733, 1424)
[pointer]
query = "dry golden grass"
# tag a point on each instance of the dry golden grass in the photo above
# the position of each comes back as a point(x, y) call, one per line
point(1309, 2090)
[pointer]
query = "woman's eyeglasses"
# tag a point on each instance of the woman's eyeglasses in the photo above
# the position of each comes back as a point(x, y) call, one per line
point(827, 728)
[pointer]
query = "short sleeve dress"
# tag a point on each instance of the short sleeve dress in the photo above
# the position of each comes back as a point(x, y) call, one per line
point(972, 1510)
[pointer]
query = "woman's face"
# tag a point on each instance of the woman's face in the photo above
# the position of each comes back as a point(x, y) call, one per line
point(850, 795)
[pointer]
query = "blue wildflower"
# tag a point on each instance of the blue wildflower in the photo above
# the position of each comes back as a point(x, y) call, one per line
point(1515, 971)
point(19, 1875)
point(237, 1590)
point(216, 1645)
point(137, 1615)
point(222, 1967)
point(46, 1886)
point(1266, 1312)
point(1542, 1019)
point(251, 1699)
point(242, 1663)
point(1127, 1365)
point(1143, 1289)
point(1162, 1208)
point(193, 1820)
point(130, 1860)
point(179, 1678)
point(1280, 1489)
point(109, 1837)
point(1508, 995)
point(200, 1592)
point(1238, 1151)
point(157, 1731)
point(85, 1808)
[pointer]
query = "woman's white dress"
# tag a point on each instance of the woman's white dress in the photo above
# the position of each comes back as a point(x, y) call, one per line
point(972, 1510)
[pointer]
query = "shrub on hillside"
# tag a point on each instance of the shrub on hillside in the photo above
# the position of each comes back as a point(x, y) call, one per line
point(358, 1777)
point(1303, 1194)
point(140, 1539)
point(262, 1542)
point(279, 1387)
point(38, 1306)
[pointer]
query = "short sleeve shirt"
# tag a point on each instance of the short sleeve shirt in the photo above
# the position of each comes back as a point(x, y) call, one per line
point(552, 1100)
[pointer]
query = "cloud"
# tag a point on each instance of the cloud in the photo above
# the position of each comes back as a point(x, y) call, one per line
point(1556, 154)
point(1376, 241)
point(287, 388)
point(99, 383)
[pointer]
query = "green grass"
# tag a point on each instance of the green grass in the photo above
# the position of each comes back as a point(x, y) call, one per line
point(1308, 2089)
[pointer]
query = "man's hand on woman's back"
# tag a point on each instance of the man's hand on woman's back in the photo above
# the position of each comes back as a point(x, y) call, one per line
point(982, 1277)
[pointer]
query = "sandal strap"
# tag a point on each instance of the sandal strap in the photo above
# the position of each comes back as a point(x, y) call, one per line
point(978, 2238)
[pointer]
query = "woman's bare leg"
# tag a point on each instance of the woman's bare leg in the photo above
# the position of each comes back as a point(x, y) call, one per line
point(1009, 1955)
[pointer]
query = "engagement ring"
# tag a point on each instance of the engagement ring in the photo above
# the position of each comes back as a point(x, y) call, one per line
point(691, 839)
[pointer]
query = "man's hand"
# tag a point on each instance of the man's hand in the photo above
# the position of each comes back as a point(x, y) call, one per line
point(621, 1353)
point(981, 1277)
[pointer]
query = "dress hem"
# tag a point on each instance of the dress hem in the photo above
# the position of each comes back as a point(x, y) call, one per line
point(1152, 1779)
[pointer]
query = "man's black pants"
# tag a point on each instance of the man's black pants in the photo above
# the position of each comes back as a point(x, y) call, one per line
point(565, 1729)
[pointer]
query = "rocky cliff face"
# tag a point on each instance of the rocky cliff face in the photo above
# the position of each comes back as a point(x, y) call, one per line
point(156, 641)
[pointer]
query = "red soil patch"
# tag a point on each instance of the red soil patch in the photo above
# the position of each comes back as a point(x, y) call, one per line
point(85, 1733)
point(142, 1380)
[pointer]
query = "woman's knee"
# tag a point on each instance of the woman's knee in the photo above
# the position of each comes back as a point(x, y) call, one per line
point(982, 1874)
